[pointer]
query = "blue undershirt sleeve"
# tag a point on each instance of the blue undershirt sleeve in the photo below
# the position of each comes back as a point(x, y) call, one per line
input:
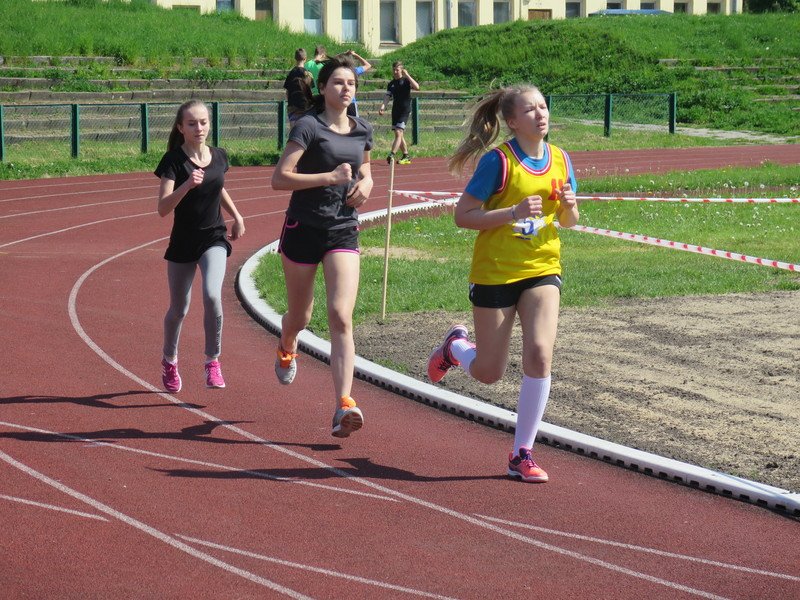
point(571, 174)
point(485, 180)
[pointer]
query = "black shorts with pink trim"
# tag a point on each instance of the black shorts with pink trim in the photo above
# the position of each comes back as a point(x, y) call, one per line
point(308, 245)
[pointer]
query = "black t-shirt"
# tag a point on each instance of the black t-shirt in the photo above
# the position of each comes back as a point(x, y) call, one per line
point(325, 206)
point(298, 91)
point(400, 90)
point(198, 223)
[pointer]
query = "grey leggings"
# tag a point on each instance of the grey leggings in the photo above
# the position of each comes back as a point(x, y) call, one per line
point(180, 276)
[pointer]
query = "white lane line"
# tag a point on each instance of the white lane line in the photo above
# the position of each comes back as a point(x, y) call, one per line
point(72, 307)
point(57, 231)
point(145, 214)
point(74, 206)
point(309, 568)
point(71, 191)
point(586, 538)
point(259, 474)
point(145, 528)
point(94, 204)
point(71, 185)
point(53, 507)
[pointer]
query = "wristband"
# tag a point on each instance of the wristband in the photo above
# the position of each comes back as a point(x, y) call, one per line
point(513, 213)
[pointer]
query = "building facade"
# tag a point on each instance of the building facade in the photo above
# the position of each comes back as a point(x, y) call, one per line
point(384, 25)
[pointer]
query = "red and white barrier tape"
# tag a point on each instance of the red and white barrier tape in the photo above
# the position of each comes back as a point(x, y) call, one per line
point(418, 193)
point(423, 196)
point(643, 239)
point(426, 197)
point(699, 200)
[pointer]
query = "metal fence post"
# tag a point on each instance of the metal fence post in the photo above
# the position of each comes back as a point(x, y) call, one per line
point(215, 124)
point(76, 133)
point(414, 121)
point(145, 115)
point(607, 117)
point(673, 111)
point(281, 124)
point(2, 136)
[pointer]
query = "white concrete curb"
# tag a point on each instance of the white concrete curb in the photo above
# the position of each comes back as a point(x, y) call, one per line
point(701, 478)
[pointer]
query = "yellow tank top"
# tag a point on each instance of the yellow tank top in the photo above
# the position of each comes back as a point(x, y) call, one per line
point(503, 255)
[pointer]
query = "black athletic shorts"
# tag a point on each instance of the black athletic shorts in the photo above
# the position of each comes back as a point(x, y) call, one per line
point(507, 294)
point(399, 120)
point(309, 245)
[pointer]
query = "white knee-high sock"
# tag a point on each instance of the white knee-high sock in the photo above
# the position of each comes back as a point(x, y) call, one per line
point(464, 352)
point(533, 395)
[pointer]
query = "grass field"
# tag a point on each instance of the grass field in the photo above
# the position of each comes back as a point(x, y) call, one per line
point(430, 274)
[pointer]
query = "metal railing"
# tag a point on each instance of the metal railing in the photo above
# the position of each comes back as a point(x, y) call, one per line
point(94, 130)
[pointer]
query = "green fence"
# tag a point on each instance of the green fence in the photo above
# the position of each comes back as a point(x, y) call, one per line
point(95, 130)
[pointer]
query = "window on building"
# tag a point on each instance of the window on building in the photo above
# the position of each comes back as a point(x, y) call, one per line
point(502, 12)
point(680, 7)
point(573, 10)
point(612, 5)
point(264, 10)
point(424, 18)
point(714, 8)
point(312, 16)
point(350, 20)
point(648, 6)
point(466, 13)
point(224, 5)
point(389, 21)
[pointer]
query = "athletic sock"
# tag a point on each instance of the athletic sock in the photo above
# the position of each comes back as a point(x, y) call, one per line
point(464, 352)
point(533, 395)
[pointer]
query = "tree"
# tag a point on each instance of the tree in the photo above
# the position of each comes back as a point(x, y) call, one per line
point(763, 6)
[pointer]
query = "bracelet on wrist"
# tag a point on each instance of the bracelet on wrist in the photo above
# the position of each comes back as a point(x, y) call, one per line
point(513, 214)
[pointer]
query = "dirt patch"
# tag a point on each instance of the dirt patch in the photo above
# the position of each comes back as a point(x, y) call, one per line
point(709, 380)
point(399, 252)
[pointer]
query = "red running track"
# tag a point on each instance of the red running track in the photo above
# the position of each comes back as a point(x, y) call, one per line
point(113, 489)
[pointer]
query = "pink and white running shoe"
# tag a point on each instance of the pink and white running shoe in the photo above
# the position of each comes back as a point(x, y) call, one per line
point(214, 375)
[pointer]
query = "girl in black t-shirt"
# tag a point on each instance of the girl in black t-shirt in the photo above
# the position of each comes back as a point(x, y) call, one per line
point(192, 186)
point(326, 165)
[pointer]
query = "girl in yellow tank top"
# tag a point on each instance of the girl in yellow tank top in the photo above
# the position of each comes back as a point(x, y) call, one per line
point(529, 247)
point(518, 193)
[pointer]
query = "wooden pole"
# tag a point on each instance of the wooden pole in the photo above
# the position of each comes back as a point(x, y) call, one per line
point(386, 245)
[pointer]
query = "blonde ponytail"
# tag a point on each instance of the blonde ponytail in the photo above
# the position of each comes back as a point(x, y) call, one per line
point(485, 125)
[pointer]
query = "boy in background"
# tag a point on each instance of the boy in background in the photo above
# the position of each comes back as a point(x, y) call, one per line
point(298, 88)
point(314, 65)
point(399, 89)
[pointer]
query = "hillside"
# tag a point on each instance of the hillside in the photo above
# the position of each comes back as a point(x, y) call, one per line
point(738, 72)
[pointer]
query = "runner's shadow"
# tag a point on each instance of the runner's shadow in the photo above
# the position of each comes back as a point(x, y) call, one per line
point(360, 467)
point(315, 447)
point(194, 433)
point(95, 401)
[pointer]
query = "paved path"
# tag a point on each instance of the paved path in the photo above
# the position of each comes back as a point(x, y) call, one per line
point(112, 488)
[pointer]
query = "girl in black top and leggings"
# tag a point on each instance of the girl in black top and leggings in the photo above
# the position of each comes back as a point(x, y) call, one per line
point(192, 186)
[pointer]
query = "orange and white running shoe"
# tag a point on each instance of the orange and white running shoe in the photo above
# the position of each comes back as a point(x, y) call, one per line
point(285, 366)
point(441, 361)
point(347, 418)
point(525, 468)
